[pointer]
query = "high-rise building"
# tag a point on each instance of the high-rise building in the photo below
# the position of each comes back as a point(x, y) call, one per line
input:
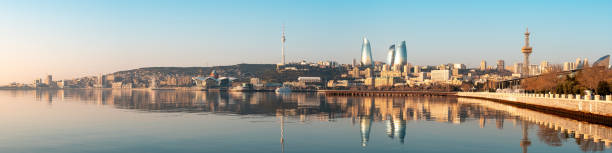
point(483, 65)
point(534, 70)
point(567, 66)
point(417, 69)
point(544, 64)
point(100, 82)
point(459, 66)
point(518, 68)
point(406, 69)
point(500, 65)
point(391, 54)
point(440, 75)
point(401, 55)
point(544, 67)
point(442, 67)
point(585, 63)
point(603, 61)
point(578, 63)
point(510, 68)
point(385, 68)
point(49, 80)
point(366, 53)
point(526, 50)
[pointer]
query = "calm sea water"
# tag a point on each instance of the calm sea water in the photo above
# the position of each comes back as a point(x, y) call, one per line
point(56, 121)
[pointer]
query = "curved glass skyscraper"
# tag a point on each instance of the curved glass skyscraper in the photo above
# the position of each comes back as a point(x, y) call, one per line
point(366, 53)
point(603, 61)
point(400, 54)
point(391, 55)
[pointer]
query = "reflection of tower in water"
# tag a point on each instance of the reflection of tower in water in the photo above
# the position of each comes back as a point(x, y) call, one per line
point(394, 112)
point(499, 122)
point(282, 138)
point(49, 97)
point(281, 112)
point(399, 128)
point(399, 124)
point(365, 121)
point(390, 127)
point(525, 140)
point(153, 96)
point(482, 121)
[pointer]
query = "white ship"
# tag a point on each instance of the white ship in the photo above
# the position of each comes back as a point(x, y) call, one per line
point(242, 88)
point(283, 89)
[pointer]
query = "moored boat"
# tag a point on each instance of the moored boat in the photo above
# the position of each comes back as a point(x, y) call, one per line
point(283, 89)
point(242, 88)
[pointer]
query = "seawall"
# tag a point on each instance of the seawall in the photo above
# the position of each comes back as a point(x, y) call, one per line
point(578, 129)
point(595, 110)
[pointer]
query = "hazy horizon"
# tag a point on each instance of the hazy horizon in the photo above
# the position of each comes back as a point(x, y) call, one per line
point(74, 38)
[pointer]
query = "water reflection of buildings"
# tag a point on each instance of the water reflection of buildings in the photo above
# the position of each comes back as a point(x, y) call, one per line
point(394, 112)
point(553, 130)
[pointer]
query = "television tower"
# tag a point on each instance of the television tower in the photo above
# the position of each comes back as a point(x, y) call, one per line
point(283, 46)
point(526, 50)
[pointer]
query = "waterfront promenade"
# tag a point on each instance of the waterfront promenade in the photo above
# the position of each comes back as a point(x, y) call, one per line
point(596, 109)
point(575, 128)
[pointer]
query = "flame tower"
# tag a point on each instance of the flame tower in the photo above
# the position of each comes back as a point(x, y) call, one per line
point(391, 55)
point(366, 53)
point(400, 54)
point(526, 50)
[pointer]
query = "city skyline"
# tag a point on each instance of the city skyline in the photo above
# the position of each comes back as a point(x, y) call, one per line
point(319, 76)
point(109, 36)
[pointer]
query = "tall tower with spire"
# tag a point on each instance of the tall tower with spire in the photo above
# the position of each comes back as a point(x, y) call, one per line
point(283, 46)
point(526, 50)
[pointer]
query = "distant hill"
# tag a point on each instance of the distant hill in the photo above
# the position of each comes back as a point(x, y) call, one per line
point(243, 72)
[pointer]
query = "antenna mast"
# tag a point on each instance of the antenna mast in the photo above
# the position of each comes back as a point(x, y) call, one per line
point(283, 46)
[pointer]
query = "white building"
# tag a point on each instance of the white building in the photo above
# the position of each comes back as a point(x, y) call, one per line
point(440, 75)
point(534, 70)
point(518, 68)
point(459, 66)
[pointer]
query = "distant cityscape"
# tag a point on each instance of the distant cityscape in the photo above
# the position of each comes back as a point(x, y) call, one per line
point(396, 73)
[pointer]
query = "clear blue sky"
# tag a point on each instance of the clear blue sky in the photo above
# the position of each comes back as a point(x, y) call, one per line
point(73, 38)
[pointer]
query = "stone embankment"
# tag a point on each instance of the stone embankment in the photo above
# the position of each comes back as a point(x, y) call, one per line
point(590, 108)
point(580, 130)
